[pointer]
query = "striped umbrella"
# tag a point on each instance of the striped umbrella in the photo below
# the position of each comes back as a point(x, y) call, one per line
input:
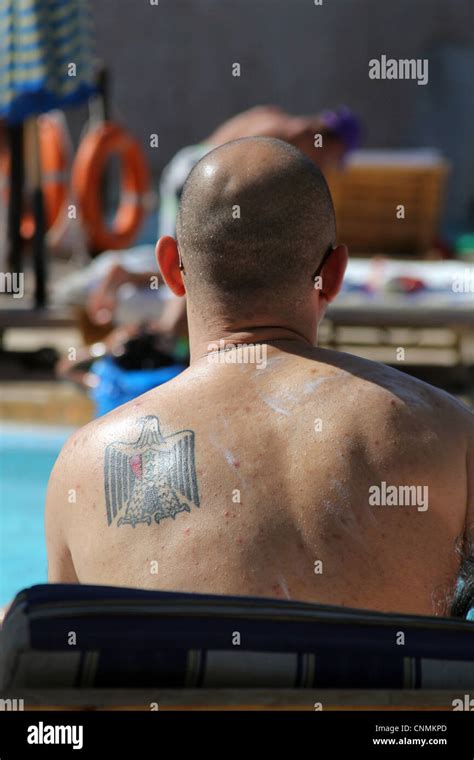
point(46, 61)
point(46, 56)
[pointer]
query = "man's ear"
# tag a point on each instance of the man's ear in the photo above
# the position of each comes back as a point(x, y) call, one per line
point(332, 273)
point(167, 256)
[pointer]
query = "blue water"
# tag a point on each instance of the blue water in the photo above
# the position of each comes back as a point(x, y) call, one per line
point(27, 456)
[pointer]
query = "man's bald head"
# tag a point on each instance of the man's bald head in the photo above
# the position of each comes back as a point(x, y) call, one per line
point(255, 219)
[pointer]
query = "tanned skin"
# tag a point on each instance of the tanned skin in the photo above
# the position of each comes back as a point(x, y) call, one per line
point(255, 480)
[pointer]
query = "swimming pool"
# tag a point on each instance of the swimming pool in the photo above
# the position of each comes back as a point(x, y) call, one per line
point(27, 455)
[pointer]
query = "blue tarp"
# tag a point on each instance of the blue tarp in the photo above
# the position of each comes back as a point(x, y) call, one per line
point(116, 386)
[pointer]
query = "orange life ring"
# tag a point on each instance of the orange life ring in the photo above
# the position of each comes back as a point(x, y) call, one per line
point(93, 153)
point(54, 181)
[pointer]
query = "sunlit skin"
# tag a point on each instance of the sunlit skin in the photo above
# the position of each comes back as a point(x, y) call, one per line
point(285, 455)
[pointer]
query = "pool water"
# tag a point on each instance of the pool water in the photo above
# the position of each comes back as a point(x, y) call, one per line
point(27, 456)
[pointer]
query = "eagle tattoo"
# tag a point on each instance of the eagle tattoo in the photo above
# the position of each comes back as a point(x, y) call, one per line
point(152, 478)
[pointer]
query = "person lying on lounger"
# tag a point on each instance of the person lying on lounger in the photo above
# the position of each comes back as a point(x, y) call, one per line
point(270, 467)
point(326, 138)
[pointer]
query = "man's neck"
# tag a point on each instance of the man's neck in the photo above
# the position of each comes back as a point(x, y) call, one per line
point(222, 337)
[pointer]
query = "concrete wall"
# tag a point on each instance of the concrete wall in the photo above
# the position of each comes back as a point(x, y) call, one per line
point(171, 67)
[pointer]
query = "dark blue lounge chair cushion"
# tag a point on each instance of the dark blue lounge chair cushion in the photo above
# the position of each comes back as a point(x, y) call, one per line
point(97, 636)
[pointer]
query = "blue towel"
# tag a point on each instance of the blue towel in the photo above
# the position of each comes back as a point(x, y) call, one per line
point(117, 386)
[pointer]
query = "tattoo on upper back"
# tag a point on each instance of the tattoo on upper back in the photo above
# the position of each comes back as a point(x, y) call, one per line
point(153, 477)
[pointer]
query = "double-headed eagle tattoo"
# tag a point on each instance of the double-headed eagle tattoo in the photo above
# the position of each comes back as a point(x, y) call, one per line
point(152, 478)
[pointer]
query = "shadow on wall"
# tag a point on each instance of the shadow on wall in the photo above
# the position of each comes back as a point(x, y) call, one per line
point(171, 69)
point(445, 119)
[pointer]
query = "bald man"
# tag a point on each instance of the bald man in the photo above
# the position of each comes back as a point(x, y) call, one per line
point(270, 467)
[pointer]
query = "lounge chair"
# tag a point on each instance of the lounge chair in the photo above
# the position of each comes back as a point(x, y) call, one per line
point(94, 637)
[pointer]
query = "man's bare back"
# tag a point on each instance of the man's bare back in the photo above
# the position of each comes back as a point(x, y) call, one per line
point(287, 480)
point(309, 475)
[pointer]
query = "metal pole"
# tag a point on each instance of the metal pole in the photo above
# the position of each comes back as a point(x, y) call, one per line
point(15, 205)
point(33, 168)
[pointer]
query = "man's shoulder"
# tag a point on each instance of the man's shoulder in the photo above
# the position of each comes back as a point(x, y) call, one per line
point(95, 435)
point(379, 387)
point(115, 426)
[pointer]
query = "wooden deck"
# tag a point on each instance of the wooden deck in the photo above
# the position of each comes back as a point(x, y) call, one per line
point(232, 699)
